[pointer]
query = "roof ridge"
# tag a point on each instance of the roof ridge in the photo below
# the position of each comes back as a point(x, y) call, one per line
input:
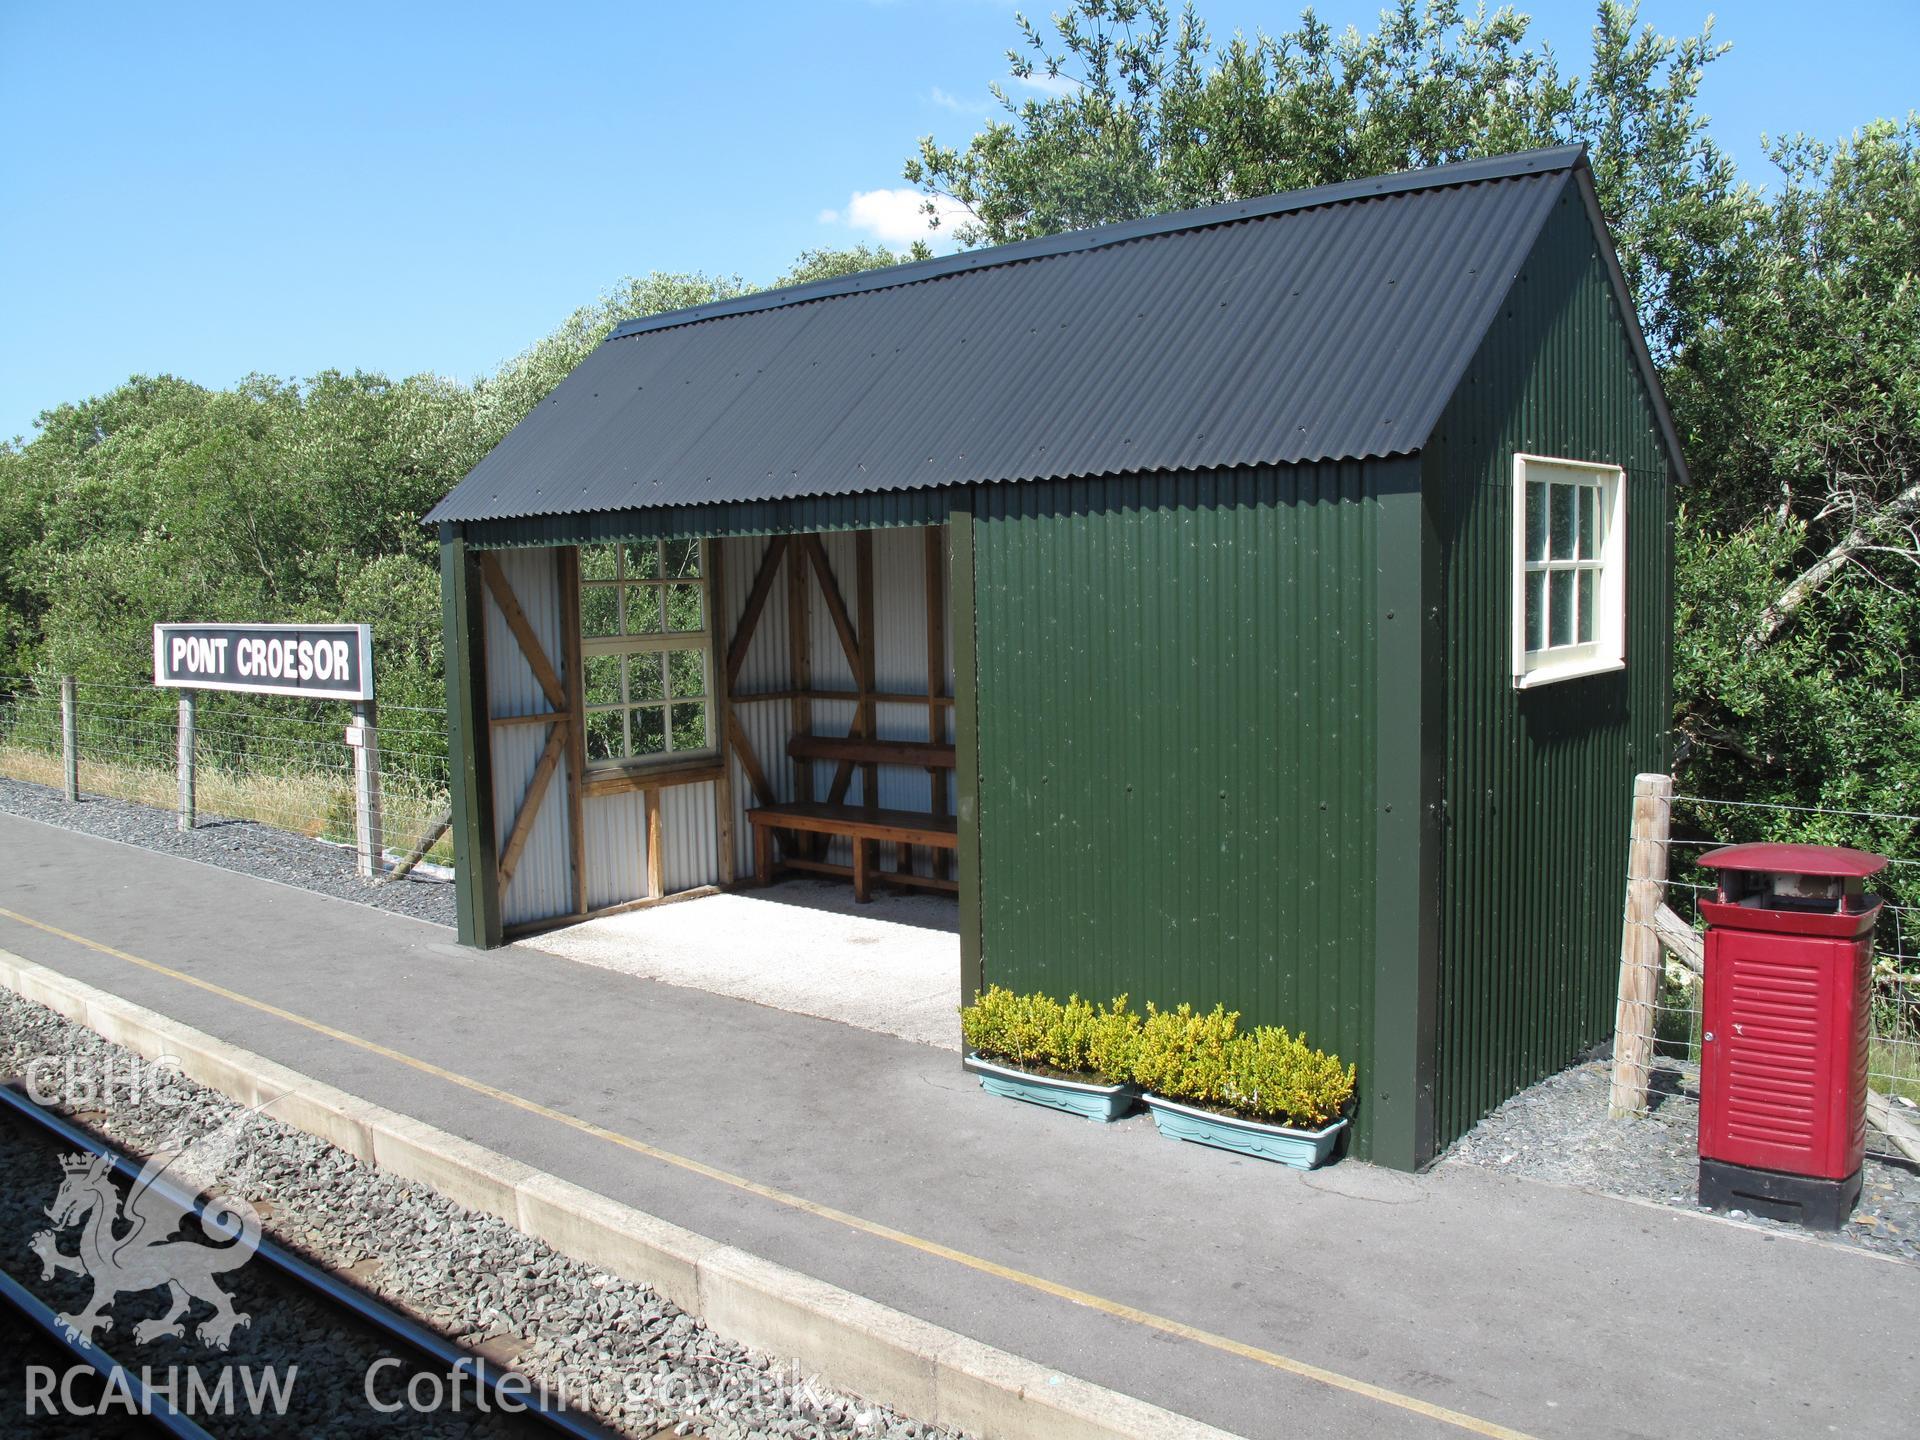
point(1227, 212)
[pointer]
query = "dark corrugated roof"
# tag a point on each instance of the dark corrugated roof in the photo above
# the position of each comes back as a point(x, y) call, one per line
point(1328, 323)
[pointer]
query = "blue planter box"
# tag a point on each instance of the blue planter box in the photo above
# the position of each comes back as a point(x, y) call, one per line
point(1302, 1149)
point(1089, 1101)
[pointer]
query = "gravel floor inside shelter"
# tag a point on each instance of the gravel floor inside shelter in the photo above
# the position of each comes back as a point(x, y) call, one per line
point(891, 965)
point(242, 845)
point(618, 1349)
point(1558, 1131)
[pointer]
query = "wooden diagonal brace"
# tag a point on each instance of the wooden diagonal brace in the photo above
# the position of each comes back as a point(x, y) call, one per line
point(756, 602)
point(836, 607)
point(749, 761)
point(517, 622)
point(530, 806)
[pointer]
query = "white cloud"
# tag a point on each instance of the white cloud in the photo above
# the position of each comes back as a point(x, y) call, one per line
point(948, 102)
point(1048, 84)
point(893, 216)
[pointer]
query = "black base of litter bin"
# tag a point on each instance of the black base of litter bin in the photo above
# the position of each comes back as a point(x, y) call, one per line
point(1804, 1200)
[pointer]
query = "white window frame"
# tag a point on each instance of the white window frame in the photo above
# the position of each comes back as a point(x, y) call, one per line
point(662, 642)
point(1607, 650)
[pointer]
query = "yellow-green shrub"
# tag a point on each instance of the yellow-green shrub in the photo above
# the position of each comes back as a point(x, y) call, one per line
point(1264, 1073)
point(1182, 1055)
point(1271, 1075)
point(1076, 1038)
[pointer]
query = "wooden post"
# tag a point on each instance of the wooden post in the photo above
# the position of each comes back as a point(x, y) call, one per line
point(184, 749)
point(656, 852)
point(573, 678)
point(436, 827)
point(1640, 951)
point(70, 735)
point(369, 835)
point(720, 708)
point(463, 620)
point(963, 622)
point(937, 676)
point(800, 676)
point(866, 714)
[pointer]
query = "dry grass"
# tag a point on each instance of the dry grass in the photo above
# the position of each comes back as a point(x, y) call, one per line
point(316, 803)
point(1893, 1067)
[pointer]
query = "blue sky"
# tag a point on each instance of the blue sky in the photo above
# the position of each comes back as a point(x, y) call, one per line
point(209, 190)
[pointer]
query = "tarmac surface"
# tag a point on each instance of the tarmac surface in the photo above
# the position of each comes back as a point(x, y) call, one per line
point(1550, 1311)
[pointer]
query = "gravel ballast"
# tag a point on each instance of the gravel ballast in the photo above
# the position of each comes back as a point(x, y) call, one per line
point(240, 845)
point(1559, 1131)
point(612, 1347)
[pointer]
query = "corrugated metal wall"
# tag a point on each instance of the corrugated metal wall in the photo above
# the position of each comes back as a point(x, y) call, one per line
point(616, 840)
point(1176, 682)
point(1539, 783)
point(542, 884)
point(689, 837)
point(900, 664)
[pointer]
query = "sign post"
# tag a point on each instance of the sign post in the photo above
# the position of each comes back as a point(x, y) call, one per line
point(313, 662)
point(364, 736)
point(184, 737)
point(70, 735)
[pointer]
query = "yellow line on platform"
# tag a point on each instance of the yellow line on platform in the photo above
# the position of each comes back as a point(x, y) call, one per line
point(1117, 1309)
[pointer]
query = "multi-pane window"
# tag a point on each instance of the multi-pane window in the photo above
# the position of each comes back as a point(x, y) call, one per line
point(644, 636)
point(1569, 544)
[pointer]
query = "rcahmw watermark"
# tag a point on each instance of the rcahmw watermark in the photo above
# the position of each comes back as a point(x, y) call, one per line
point(183, 1389)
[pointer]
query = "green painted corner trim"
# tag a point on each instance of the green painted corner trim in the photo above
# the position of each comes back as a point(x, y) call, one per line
point(1399, 1094)
point(469, 747)
point(962, 625)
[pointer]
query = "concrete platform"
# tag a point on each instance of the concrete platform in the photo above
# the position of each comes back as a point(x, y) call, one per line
point(1261, 1300)
point(891, 966)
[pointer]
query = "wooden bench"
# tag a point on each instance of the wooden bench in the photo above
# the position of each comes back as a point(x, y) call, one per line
point(865, 825)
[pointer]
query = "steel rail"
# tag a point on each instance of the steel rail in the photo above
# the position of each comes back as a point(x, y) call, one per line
point(155, 1409)
point(425, 1342)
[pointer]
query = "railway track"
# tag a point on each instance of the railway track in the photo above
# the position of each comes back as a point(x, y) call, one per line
point(316, 1354)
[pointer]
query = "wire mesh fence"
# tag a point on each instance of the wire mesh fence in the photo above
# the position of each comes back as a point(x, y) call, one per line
point(1675, 1014)
point(275, 761)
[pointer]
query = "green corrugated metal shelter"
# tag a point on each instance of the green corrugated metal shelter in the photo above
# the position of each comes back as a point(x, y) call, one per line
point(1289, 580)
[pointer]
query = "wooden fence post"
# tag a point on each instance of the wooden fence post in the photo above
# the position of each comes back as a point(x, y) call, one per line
point(369, 839)
point(70, 735)
point(1640, 951)
point(185, 748)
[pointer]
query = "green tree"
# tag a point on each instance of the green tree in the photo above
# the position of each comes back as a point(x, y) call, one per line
point(829, 264)
point(1155, 118)
point(1798, 635)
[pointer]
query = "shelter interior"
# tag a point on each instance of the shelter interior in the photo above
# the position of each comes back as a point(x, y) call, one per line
point(672, 716)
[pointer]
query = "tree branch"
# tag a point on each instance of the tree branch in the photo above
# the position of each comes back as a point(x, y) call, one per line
point(1815, 577)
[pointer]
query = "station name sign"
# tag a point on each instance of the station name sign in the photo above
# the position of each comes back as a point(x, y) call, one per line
point(322, 662)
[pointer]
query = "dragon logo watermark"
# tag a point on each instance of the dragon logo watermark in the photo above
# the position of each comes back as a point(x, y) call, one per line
point(136, 1245)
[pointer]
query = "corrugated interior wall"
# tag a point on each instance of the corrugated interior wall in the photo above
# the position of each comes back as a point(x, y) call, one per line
point(689, 837)
point(1539, 782)
point(616, 840)
point(542, 882)
point(900, 665)
point(1176, 692)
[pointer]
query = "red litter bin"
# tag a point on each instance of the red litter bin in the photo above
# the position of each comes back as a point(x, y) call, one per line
point(1784, 1028)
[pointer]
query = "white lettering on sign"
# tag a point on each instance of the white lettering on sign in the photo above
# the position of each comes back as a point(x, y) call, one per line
point(199, 654)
